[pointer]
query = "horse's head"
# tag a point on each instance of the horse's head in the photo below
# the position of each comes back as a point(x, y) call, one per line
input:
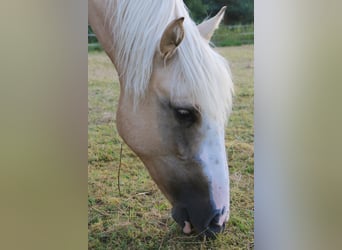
point(177, 129)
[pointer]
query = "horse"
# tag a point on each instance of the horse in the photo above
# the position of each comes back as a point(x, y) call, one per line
point(175, 99)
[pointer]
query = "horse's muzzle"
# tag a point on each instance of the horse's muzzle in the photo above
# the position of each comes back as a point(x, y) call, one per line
point(204, 219)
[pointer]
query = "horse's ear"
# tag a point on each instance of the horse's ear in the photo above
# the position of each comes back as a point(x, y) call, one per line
point(207, 27)
point(171, 38)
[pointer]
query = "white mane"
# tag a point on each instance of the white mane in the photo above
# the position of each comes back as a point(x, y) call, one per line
point(137, 27)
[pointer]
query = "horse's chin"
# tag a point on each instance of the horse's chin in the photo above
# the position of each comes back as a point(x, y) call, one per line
point(209, 229)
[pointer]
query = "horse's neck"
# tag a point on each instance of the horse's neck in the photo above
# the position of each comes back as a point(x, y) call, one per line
point(96, 19)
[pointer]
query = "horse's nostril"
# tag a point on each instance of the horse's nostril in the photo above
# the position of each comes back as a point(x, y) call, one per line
point(214, 227)
point(216, 219)
point(223, 210)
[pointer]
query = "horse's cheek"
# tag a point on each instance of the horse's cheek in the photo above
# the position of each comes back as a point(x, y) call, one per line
point(138, 131)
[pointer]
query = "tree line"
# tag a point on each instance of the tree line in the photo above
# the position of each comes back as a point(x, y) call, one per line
point(238, 11)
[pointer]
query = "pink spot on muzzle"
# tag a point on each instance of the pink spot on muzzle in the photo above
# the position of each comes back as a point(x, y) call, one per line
point(187, 227)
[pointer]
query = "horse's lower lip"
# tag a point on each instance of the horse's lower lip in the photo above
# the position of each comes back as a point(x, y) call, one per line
point(211, 232)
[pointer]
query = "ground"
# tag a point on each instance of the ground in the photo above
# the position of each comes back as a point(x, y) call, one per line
point(138, 217)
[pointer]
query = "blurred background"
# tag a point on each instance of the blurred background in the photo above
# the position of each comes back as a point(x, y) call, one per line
point(44, 114)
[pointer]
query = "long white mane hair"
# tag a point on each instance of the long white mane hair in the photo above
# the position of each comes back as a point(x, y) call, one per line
point(137, 27)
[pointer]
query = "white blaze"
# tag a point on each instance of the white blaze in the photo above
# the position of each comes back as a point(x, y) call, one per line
point(213, 156)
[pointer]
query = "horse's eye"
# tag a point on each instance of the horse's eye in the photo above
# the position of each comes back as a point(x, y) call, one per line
point(185, 116)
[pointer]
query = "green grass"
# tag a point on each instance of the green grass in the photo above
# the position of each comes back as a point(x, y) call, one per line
point(234, 35)
point(140, 218)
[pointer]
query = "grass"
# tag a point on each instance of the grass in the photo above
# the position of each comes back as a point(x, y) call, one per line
point(234, 35)
point(140, 217)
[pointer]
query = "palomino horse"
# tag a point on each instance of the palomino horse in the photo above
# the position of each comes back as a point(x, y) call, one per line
point(176, 95)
